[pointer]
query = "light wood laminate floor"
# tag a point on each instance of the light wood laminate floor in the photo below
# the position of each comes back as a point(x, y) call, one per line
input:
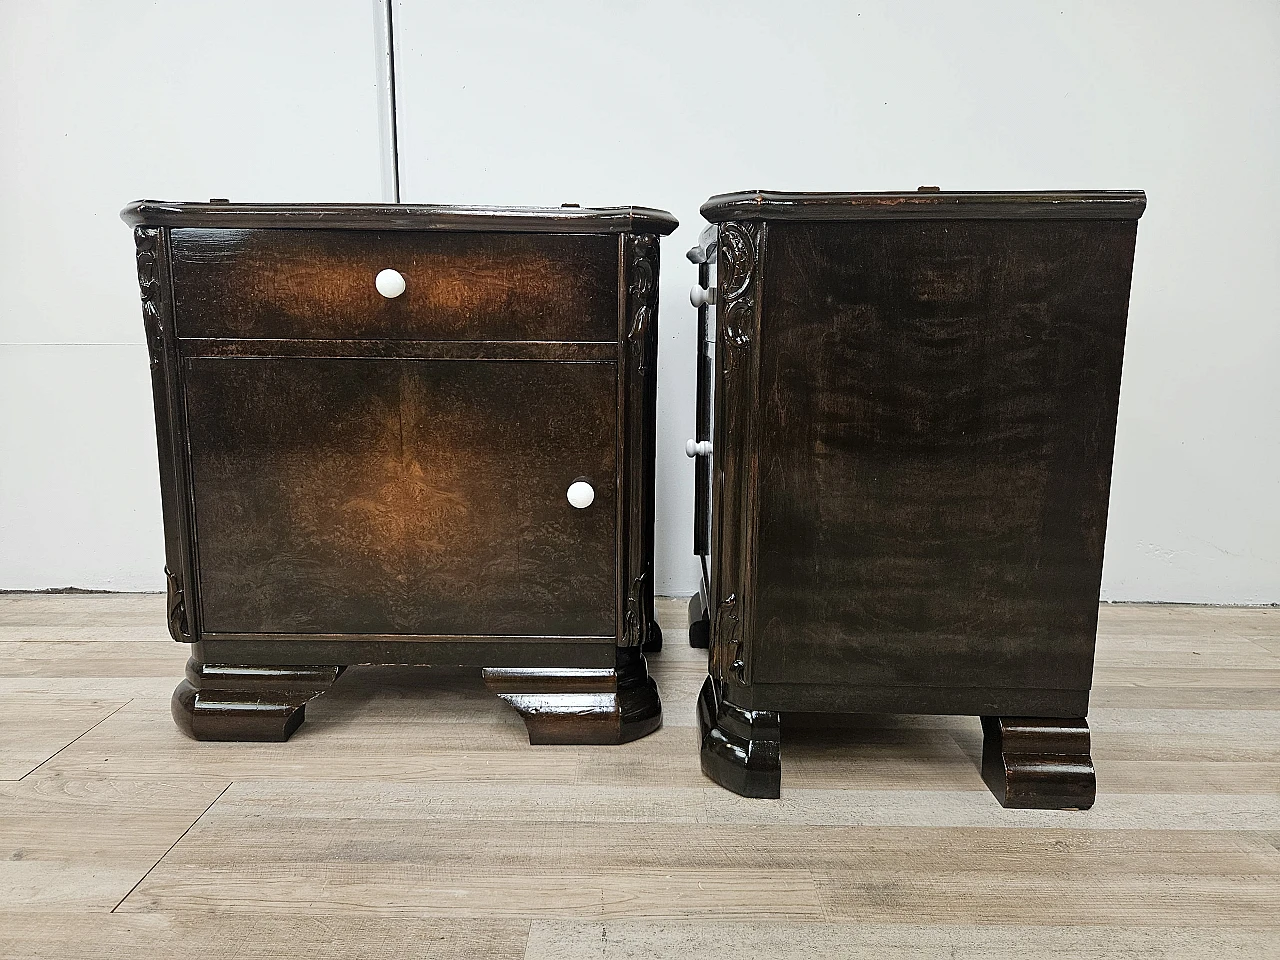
point(409, 817)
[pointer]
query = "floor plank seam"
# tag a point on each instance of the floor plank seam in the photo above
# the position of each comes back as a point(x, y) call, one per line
point(69, 743)
point(528, 938)
point(171, 846)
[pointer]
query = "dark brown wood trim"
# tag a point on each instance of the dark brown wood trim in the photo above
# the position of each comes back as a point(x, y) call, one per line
point(639, 374)
point(623, 437)
point(268, 650)
point(409, 637)
point(741, 258)
point(575, 706)
point(182, 610)
point(361, 216)
point(242, 702)
point(1033, 205)
point(741, 749)
point(960, 701)
point(1038, 763)
point(558, 351)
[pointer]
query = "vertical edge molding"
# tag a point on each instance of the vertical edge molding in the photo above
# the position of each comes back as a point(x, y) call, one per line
point(639, 400)
point(741, 253)
point(157, 316)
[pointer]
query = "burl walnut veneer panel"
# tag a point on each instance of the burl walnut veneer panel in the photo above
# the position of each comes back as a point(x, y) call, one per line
point(278, 284)
point(403, 496)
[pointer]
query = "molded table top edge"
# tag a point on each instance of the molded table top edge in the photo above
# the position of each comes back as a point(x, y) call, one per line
point(400, 216)
point(934, 205)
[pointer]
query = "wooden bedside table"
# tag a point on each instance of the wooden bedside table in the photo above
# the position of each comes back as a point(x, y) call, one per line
point(406, 435)
point(914, 413)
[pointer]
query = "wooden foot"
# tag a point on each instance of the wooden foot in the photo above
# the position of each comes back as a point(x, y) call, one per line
point(1038, 763)
point(741, 749)
point(227, 702)
point(654, 642)
point(699, 623)
point(567, 706)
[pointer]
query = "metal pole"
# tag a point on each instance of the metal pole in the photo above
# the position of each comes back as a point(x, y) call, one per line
point(385, 52)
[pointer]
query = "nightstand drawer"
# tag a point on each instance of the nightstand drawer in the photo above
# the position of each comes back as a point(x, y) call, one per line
point(394, 285)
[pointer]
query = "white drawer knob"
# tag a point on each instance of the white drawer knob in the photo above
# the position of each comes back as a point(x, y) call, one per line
point(581, 494)
point(389, 283)
point(700, 296)
point(697, 448)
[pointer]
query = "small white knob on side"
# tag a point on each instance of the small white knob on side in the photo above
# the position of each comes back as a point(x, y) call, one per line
point(697, 448)
point(581, 494)
point(390, 283)
point(700, 296)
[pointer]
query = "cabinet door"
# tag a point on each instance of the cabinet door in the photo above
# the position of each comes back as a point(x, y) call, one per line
point(418, 497)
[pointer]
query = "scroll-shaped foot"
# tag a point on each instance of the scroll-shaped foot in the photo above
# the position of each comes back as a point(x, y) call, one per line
point(567, 706)
point(741, 749)
point(1038, 763)
point(699, 623)
point(229, 702)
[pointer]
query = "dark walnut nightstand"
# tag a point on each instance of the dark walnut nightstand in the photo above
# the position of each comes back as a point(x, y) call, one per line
point(903, 500)
point(406, 435)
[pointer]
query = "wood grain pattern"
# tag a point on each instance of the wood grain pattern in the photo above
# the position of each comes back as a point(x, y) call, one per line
point(353, 478)
point(915, 409)
point(444, 834)
point(55, 723)
point(345, 496)
point(935, 476)
point(319, 284)
point(567, 218)
point(926, 205)
point(251, 935)
point(863, 940)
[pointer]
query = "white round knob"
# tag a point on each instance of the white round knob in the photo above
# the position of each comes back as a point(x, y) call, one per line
point(389, 283)
point(581, 494)
point(697, 448)
point(700, 296)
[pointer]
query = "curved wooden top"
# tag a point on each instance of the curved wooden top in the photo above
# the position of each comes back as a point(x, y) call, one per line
point(933, 205)
point(399, 216)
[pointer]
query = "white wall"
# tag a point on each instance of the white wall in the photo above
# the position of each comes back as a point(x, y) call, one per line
point(661, 103)
point(100, 104)
point(667, 102)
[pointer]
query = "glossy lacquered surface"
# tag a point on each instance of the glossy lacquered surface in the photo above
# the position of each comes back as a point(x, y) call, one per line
point(915, 409)
point(941, 467)
point(406, 435)
point(569, 218)
point(927, 203)
point(404, 496)
point(322, 284)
